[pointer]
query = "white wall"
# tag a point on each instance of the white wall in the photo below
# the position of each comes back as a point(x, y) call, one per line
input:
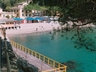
point(7, 14)
point(0, 10)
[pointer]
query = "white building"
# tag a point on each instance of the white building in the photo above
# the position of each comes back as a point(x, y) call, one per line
point(6, 14)
point(20, 12)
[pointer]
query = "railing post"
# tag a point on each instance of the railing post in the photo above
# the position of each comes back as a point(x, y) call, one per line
point(65, 67)
point(44, 58)
point(31, 52)
point(35, 54)
point(48, 61)
point(39, 56)
point(58, 65)
point(22, 48)
point(25, 53)
point(53, 63)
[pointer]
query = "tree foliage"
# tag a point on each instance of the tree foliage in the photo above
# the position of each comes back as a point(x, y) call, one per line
point(34, 7)
point(76, 11)
point(9, 3)
point(80, 10)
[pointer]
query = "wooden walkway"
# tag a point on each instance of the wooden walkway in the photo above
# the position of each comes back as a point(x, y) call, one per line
point(32, 60)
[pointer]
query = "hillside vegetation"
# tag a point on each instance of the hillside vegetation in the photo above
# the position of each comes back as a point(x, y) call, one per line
point(4, 4)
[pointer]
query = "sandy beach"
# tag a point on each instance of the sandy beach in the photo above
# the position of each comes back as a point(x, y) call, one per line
point(31, 28)
point(36, 27)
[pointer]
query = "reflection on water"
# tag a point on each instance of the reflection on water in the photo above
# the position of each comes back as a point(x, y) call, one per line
point(60, 49)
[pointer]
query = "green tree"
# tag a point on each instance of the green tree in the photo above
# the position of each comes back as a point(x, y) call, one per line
point(8, 16)
point(74, 11)
point(9, 3)
point(53, 10)
point(7, 8)
point(34, 7)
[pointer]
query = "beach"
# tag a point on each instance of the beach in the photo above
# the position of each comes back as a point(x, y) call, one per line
point(37, 27)
point(32, 28)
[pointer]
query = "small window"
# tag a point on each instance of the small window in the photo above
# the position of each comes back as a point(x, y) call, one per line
point(26, 11)
point(3, 15)
point(29, 14)
point(29, 10)
point(12, 16)
point(22, 14)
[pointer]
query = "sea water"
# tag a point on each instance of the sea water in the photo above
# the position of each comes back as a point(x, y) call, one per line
point(60, 49)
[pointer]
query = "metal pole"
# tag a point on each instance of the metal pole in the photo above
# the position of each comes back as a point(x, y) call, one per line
point(0, 53)
point(7, 55)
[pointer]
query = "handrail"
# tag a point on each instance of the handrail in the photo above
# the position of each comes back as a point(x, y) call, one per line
point(60, 69)
point(56, 65)
point(3, 32)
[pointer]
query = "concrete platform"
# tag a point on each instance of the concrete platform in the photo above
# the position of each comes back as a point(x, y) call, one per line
point(32, 60)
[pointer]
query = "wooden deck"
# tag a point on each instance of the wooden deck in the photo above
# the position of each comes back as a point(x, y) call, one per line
point(32, 60)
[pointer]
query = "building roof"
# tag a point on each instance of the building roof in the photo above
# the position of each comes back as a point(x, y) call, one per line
point(16, 7)
point(22, 3)
point(7, 12)
point(8, 20)
point(4, 20)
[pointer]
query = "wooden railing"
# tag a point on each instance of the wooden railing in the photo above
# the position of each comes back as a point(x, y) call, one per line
point(56, 65)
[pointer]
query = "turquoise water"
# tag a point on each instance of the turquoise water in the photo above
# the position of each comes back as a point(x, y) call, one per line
point(60, 49)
